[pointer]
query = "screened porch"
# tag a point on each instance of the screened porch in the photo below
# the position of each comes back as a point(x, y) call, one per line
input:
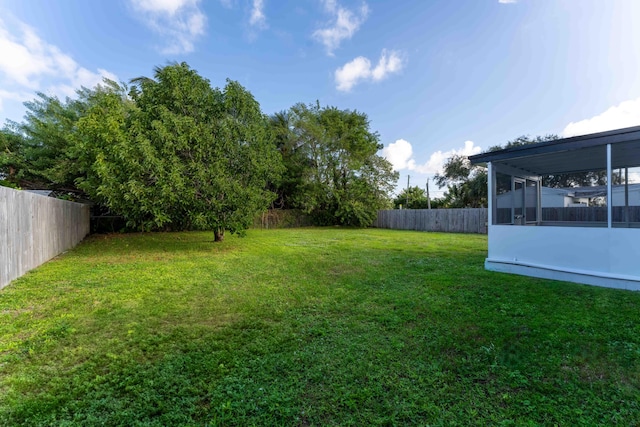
point(567, 209)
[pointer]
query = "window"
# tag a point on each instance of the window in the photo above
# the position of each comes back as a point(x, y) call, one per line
point(504, 199)
point(531, 202)
point(516, 200)
point(578, 197)
point(625, 197)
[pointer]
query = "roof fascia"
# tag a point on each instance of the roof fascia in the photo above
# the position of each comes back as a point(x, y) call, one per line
point(560, 145)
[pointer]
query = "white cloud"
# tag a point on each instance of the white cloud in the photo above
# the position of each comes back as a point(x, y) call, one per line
point(625, 114)
point(343, 26)
point(29, 64)
point(258, 18)
point(352, 73)
point(162, 6)
point(81, 77)
point(400, 154)
point(387, 65)
point(507, 1)
point(26, 58)
point(358, 70)
point(436, 160)
point(179, 22)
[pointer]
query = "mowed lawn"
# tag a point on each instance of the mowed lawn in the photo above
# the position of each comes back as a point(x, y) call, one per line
point(317, 326)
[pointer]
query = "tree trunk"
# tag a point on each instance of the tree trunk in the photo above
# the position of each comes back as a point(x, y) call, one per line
point(219, 234)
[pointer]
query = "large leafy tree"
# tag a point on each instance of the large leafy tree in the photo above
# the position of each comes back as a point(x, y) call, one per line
point(37, 154)
point(11, 157)
point(183, 156)
point(333, 170)
point(42, 151)
point(466, 183)
point(294, 157)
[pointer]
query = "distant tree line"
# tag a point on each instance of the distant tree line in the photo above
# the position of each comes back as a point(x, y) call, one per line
point(173, 153)
point(416, 198)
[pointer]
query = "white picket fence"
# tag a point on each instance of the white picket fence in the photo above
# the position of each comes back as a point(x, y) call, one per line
point(34, 229)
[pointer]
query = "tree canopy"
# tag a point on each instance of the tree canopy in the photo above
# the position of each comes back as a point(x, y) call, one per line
point(183, 156)
point(333, 171)
point(416, 198)
point(170, 152)
point(466, 183)
point(38, 152)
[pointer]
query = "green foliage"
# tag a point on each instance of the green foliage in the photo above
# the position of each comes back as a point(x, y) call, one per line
point(333, 171)
point(9, 184)
point(35, 154)
point(326, 326)
point(11, 145)
point(43, 152)
point(174, 153)
point(417, 199)
point(466, 183)
point(181, 155)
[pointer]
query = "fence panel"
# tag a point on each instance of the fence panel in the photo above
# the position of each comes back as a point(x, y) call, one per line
point(443, 220)
point(282, 218)
point(34, 229)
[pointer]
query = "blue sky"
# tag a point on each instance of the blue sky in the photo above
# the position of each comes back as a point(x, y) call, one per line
point(434, 76)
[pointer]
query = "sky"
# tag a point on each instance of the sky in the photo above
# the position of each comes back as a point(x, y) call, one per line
point(435, 77)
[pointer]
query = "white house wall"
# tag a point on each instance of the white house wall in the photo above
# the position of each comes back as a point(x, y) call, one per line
point(592, 255)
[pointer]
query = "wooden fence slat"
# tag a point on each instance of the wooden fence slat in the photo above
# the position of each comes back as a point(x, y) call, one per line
point(34, 229)
point(442, 220)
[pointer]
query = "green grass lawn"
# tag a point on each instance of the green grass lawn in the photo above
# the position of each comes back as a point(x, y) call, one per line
point(318, 326)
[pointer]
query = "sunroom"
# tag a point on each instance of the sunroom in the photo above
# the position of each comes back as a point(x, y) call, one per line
point(567, 209)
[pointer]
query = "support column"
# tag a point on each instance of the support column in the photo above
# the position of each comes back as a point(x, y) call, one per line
point(626, 196)
point(539, 201)
point(491, 182)
point(609, 186)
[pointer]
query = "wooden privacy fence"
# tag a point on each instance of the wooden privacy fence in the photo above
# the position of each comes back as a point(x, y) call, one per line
point(34, 229)
point(444, 220)
point(282, 218)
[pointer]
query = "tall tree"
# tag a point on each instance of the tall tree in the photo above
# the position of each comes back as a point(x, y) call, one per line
point(41, 152)
point(334, 172)
point(293, 156)
point(466, 183)
point(11, 157)
point(183, 156)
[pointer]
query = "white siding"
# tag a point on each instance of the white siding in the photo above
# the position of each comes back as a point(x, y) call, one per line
point(594, 255)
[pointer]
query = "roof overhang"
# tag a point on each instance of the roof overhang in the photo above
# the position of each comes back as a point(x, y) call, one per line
point(575, 154)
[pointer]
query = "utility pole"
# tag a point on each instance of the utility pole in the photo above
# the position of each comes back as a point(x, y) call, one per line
point(428, 199)
point(408, 176)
